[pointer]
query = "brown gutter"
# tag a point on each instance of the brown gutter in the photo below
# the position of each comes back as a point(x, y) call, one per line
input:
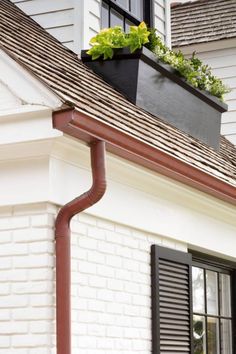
point(62, 233)
point(84, 127)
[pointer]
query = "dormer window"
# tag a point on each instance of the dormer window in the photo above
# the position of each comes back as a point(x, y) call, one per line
point(125, 13)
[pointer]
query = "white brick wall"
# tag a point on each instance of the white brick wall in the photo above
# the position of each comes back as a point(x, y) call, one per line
point(110, 276)
point(111, 286)
point(26, 280)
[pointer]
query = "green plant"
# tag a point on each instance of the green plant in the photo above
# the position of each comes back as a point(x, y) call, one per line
point(153, 40)
point(192, 70)
point(104, 43)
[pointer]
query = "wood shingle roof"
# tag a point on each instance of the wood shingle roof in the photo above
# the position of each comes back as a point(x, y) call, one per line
point(77, 86)
point(202, 21)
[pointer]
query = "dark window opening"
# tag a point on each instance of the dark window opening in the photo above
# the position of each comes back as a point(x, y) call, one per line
point(125, 13)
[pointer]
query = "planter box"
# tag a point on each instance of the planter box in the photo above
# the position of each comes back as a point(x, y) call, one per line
point(156, 88)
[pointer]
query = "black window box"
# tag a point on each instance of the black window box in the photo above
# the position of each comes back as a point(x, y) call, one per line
point(157, 88)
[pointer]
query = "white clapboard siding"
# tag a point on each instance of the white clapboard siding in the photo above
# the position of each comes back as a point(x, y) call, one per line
point(56, 16)
point(94, 22)
point(162, 20)
point(33, 7)
point(88, 22)
point(160, 17)
point(55, 19)
point(7, 99)
point(64, 36)
point(223, 64)
point(92, 13)
point(74, 22)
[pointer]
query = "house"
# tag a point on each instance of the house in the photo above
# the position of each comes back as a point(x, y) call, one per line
point(208, 27)
point(74, 23)
point(165, 190)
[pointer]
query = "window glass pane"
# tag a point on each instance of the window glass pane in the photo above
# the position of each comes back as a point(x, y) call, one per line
point(199, 335)
point(212, 335)
point(198, 290)
point(105, 15)
point(225, 295)
point(212, 292)
point(226, 337)
point(123, 3)
point(116, 19)
point(137, 8)
point(127, 25)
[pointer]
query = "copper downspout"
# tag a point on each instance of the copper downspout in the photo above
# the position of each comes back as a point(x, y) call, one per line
point(62, 233)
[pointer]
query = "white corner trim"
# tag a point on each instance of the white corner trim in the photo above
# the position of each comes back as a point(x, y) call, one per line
point(79, 26)
point(168, 23)
point(25, 86)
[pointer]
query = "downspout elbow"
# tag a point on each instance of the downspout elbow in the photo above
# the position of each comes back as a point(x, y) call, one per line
point(90, 197)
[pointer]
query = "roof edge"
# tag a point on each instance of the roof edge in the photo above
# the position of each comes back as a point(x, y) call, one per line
point(86, 128)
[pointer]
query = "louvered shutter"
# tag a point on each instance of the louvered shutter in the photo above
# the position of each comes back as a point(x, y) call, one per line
point(171, 301)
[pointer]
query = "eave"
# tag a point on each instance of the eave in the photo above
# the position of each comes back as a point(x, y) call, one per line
point(87, 129)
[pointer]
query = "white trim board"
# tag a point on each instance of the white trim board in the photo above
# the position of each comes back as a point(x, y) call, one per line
point(24, 85)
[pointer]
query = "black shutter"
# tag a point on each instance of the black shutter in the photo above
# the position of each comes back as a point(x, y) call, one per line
point(171, 301)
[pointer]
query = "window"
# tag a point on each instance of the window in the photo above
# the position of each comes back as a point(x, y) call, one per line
point(125, 13)
point(192, 310)
point(212, 314)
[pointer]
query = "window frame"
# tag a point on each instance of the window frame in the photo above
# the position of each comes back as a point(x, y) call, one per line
point(222, 266)
point(147, 12)
point(160, 278)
